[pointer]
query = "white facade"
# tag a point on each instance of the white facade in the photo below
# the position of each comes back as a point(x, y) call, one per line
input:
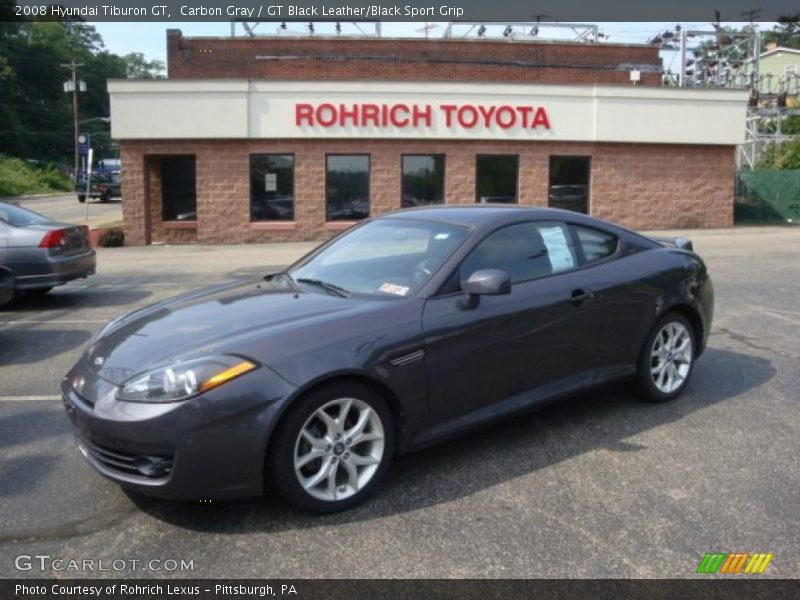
point(241, 109)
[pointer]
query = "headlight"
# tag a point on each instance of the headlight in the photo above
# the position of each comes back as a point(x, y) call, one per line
point(183, 380)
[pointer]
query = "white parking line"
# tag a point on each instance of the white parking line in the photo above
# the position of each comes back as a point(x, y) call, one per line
point(29, 398)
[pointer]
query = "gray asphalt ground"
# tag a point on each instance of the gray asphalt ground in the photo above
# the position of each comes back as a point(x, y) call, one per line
point(66, 208)
point(597, 486)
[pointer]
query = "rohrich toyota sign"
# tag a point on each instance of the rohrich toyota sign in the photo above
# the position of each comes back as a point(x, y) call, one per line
point(402, 115)
point(368, 110)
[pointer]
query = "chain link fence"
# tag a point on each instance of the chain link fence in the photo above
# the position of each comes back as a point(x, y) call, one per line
point(765, 197)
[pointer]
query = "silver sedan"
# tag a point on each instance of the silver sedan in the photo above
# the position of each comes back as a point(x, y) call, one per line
point(41, 253)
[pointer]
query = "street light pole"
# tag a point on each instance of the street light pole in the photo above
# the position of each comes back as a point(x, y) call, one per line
point(73, 67)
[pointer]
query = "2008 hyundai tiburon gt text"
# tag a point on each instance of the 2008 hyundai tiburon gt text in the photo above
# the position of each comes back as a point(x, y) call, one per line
point(409, 328)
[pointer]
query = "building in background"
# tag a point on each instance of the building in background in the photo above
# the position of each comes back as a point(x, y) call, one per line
point(779, 76)
point(295, 138)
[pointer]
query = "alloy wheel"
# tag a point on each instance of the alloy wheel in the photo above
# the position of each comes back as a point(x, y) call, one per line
point(339, 449)
point(671, 357)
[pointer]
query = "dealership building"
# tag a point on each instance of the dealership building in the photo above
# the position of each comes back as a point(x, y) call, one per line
point(281, 138)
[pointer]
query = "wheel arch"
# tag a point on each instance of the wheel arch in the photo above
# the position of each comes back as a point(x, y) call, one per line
point(692, 315)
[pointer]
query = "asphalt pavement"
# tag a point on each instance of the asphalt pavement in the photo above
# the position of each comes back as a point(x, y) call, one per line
point(600, 485)
point(65, 208)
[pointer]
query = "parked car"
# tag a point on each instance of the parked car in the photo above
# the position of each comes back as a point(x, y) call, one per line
point(6, 286)
point(570, 197)
point(404, 330)
point(41, 253)
point(103, 185)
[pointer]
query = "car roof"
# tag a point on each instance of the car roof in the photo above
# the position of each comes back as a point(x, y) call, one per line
point(478, 215)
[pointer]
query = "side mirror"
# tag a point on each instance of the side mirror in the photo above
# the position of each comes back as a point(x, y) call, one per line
point(486, 282)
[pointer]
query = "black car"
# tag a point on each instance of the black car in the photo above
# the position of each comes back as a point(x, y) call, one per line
point(404, 330)
point(103, 185)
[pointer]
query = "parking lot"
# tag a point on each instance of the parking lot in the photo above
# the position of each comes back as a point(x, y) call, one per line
point(597, 486)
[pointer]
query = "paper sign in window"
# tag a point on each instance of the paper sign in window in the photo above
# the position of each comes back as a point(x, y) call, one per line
point(558, 249)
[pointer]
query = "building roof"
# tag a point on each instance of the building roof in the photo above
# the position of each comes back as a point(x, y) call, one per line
point(780, 49)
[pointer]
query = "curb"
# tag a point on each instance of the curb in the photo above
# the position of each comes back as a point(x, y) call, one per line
point(10, 199)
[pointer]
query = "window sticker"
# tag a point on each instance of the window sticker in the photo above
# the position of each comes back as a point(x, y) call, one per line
point(393, 288)
point(271, 182)
point(557, 248)
point(441, 236)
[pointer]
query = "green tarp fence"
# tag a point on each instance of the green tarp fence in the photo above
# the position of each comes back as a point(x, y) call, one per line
point(767, 197)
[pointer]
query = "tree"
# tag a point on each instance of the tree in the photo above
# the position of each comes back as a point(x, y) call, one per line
point(786, 33)
point(35, 113)
point(138, 67)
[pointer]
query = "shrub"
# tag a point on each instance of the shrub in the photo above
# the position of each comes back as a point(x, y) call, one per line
point(18, 177)
point(782, 156)
point(112, 238)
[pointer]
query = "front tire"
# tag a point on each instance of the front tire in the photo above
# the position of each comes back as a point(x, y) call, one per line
point(81, 198)
point(38, 292)
point(667, 359)
point(332, 449)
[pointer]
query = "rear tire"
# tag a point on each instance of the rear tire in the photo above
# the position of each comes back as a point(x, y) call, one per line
point(81, 198)
point(667, 359)
point(332, 448)
point(104, 198)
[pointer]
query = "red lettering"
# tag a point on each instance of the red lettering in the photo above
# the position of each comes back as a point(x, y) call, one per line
point(473, 117)
point(423, 113)
point(486, 113)
point(303, 113)
point(448, 114)
point(525, 112)
point(540, 118)
point(345, 114)
point(330, 119)
point(402, 122)
point(370, 112)
point(511, 117)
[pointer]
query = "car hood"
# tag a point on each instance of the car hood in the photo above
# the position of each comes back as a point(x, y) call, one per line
point(230, 318)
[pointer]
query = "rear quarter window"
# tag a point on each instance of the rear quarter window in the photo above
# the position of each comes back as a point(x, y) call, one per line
point(595, 244)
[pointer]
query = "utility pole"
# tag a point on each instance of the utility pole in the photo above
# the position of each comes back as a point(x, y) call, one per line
point(73, 67)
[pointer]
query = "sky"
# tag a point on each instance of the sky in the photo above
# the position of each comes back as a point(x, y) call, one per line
point(150, 38)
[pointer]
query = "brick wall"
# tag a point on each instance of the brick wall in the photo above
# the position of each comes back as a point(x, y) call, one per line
point(321, 59)
point(637, 185)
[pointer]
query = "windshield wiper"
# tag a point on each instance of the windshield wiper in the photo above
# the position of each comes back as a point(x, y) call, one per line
point(328, 287)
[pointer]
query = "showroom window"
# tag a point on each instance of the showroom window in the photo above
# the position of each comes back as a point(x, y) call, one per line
point(496, 178)
point(346, 187)
point(423, 179)
point(272, 187)
point(569, 183)
point(596, 245)
point(178, 188)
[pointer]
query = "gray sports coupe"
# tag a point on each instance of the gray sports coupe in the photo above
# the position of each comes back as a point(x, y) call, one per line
point(402, 331)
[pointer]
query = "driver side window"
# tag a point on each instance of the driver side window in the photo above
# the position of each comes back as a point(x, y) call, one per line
point(525, 251)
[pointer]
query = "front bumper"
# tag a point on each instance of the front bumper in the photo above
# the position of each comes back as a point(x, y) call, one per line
point(49, 271)
point(210, 446)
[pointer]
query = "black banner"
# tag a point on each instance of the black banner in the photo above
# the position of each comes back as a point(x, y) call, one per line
point(405, 10)
point(397, 589)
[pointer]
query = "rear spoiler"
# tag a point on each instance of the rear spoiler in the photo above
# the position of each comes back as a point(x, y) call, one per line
point(681, 243)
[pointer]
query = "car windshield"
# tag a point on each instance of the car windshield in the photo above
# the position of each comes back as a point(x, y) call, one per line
point(20, 217)
point(388, 257)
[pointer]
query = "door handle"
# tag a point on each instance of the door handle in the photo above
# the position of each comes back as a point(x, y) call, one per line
point(580, 296)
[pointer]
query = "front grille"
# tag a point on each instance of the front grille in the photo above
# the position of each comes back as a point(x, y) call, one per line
point(150, 466)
